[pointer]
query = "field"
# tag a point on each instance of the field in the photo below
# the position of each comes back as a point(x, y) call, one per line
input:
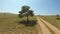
point(52, 20)
point(9, 24)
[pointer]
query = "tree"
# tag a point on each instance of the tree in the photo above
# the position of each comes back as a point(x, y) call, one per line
point(58, 17)
point(25, 12)
point(30, 13)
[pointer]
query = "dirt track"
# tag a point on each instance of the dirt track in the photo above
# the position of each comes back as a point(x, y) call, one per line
point(46, 27)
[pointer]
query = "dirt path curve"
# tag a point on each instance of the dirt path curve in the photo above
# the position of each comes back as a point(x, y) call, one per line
point(53, 28)
point(44, 29)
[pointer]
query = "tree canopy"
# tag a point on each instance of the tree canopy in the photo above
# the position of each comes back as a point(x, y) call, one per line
point(25, 11)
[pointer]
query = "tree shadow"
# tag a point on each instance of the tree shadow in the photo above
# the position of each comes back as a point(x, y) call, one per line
point(28, 23)
point(58, 18)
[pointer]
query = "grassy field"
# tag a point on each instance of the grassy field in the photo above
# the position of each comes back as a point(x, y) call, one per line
point(52, 20)
point(9, 24)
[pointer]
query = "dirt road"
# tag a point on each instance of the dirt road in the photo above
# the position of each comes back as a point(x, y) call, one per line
point(46, 27)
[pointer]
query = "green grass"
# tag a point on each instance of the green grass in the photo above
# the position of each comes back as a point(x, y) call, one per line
point(9, 24)
point(52, 20)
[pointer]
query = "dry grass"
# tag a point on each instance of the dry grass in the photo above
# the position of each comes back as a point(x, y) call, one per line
point(52, 20)
point(9, 25)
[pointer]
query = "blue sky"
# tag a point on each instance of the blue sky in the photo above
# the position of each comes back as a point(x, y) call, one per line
point(42, 7)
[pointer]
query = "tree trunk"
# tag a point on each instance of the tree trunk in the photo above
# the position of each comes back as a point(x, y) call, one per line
point(27, 18)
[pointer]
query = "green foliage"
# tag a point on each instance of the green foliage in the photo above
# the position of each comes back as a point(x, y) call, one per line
point(30, 13)
point(58, 17)
point(25, 12)
point(20, 16)
point(25, 8)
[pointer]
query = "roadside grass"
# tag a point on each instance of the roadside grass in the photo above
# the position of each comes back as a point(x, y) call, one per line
point(52, 20)
point(9, 25)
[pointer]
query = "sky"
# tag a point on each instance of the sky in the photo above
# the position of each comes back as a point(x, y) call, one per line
point(40, 7)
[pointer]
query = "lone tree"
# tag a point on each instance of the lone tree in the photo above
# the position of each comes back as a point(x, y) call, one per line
point(25, 12)
point(58, 17)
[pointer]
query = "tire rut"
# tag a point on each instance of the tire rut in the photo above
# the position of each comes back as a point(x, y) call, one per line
point(43, 27)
